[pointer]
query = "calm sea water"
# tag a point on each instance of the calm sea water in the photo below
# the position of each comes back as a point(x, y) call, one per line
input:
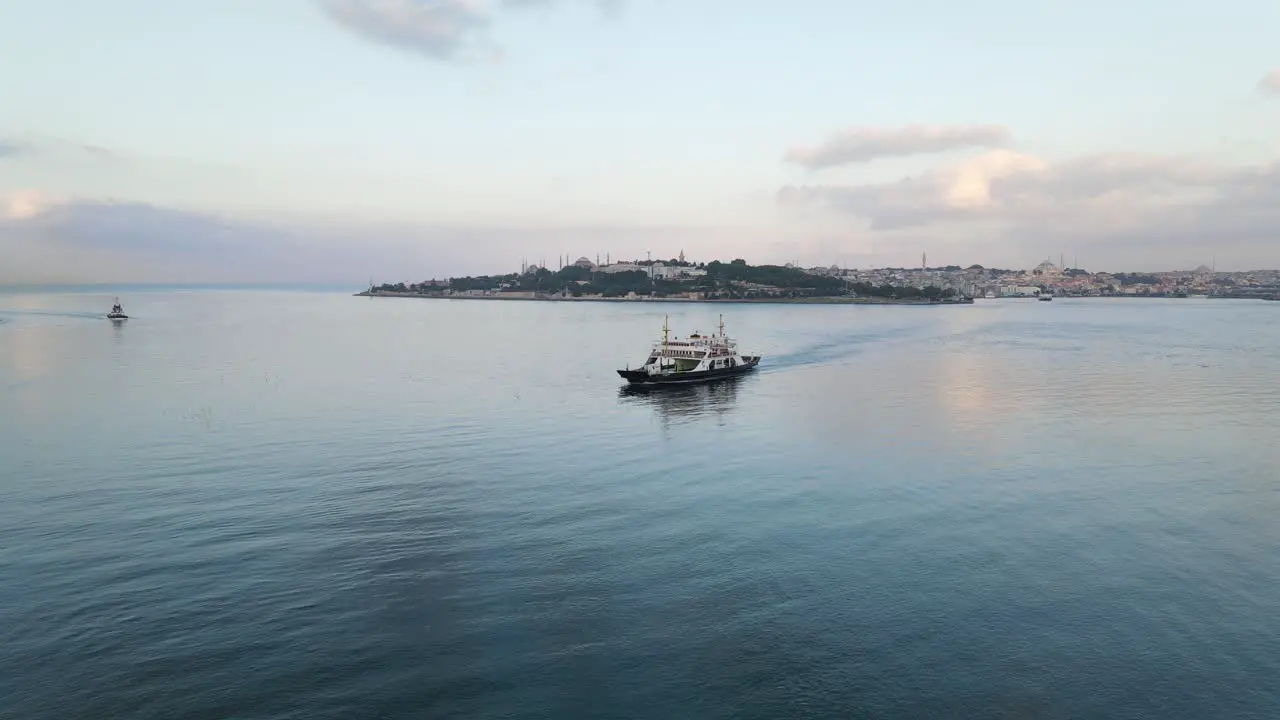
point(258, 504)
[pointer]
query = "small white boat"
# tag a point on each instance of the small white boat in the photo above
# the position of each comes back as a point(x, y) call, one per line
point(117, 312)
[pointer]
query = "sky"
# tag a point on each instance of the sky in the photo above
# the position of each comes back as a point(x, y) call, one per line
point(349, 140)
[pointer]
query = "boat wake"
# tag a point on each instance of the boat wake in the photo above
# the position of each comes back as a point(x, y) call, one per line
point(48, 313)
point(833, 349)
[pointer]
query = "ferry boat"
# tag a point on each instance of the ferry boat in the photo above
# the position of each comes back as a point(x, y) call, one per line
point(698, 358)
point(1046, 296)
point(117, 312)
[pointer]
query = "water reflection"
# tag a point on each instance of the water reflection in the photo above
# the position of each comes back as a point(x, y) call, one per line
point(684, 403)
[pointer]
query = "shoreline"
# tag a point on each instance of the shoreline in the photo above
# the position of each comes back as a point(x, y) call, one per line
point(833, 300)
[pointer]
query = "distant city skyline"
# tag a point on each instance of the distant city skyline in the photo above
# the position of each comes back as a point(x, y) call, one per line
point(333, 140)
point(562, 261)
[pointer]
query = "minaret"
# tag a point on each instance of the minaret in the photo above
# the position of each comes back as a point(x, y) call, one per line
point(924, 261)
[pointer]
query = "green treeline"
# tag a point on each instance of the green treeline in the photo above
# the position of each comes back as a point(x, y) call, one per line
point(734, 279)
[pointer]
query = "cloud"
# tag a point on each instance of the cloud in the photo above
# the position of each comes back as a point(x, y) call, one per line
point(13, 148)
point(1004, 182)
point(1127, 201)
point(97, 150)
point(90, 240)
point(32, 146)
point(864, 144)
point(25, 204)
point(937, 195)
point(970, 184)
point(436, 29)
point(1270, 83)
point(610, 8)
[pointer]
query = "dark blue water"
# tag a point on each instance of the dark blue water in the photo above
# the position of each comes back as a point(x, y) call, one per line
point(304, 505)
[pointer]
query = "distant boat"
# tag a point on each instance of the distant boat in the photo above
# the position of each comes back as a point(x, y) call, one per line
point(699, 358)
point(1046, 296)
point(117, 312)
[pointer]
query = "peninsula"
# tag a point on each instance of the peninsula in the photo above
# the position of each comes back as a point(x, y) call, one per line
point(672, 281)
point(678, 280)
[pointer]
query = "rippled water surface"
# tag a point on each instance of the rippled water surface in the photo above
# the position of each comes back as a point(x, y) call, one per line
point(265, 504)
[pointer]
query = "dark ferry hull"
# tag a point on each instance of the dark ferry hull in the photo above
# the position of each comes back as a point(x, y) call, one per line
point(640, 377)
